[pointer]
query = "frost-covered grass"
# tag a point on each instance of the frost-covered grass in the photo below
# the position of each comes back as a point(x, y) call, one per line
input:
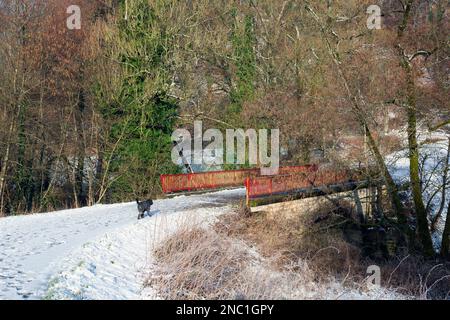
point(215, 263)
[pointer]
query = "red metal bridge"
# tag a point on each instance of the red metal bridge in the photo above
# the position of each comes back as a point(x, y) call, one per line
point(191, 182)
point(290, 183)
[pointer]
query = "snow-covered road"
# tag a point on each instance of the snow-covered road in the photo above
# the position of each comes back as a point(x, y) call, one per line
point(96, 252)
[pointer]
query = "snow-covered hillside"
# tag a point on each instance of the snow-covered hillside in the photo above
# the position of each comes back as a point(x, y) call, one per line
point(100, 252)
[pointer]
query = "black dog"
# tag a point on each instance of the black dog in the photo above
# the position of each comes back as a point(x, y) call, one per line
point(143, 207)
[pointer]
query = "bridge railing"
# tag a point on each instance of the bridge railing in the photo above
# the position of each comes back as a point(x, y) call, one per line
point(173, 183)
point(281, 184)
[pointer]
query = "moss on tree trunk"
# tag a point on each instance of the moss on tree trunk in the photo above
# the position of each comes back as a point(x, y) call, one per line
point(421, 213)
point(445, 247)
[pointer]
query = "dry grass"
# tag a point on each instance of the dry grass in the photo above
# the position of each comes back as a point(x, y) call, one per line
point(202, 264)
point(322, 243)
point(423, 279)
point(291, 239)
point(307, 256)
point(196, 264)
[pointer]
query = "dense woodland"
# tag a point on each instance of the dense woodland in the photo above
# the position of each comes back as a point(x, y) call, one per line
point(87, 115)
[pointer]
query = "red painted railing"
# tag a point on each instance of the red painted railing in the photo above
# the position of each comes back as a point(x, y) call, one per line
point(172, 183)
point(271, 185)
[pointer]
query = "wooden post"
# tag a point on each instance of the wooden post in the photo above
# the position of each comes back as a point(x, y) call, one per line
point(247, 195)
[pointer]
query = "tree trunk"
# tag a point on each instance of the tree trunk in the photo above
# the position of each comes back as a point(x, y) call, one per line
point(445, 246)
point(392, 188)
point(423, 230)
point(359, 113)
point(438, 215)
point(421, 213)
point(81, 148)
point(4, 169)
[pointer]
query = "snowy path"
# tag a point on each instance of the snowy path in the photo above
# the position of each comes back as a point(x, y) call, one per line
point(94, 252)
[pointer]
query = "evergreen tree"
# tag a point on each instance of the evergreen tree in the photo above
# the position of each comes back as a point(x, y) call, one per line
point(243, 40)
point(143, 114)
